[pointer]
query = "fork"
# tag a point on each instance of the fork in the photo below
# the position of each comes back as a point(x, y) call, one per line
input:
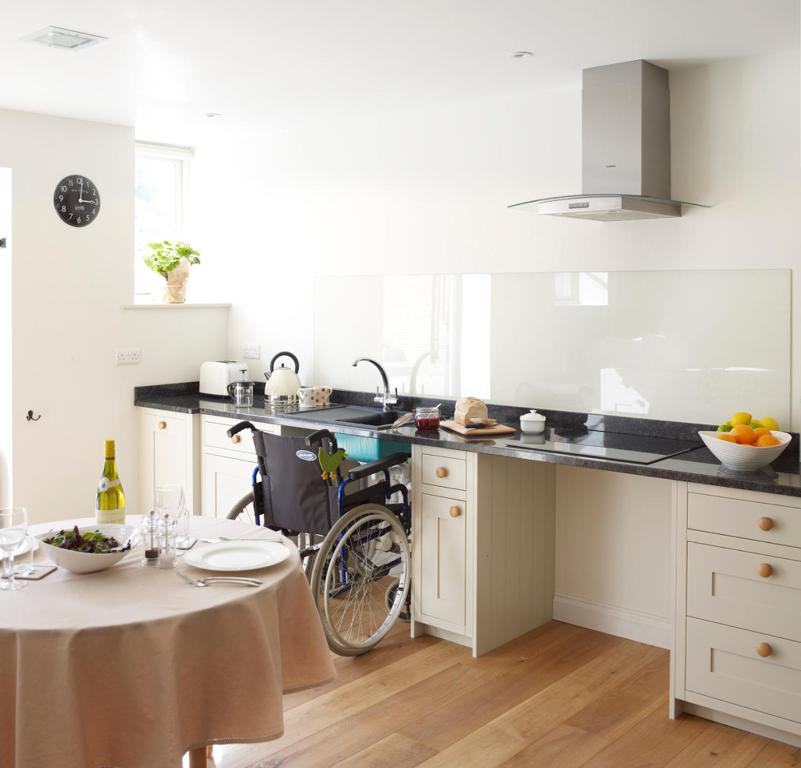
point(221, 579)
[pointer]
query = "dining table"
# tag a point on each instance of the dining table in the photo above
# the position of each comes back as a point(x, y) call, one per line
point(133, 667)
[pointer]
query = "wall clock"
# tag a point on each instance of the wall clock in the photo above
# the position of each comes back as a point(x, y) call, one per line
point(76, 200)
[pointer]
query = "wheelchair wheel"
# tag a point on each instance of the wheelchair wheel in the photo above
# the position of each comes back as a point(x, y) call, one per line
point(243, 510)
point(364, 555)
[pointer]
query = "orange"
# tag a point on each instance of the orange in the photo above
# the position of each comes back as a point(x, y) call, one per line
point(727, 436)
point(761, 431)
point(743, 434)
point(763, 441)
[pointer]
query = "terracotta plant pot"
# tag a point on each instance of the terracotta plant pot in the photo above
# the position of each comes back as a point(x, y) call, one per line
point(175, 287)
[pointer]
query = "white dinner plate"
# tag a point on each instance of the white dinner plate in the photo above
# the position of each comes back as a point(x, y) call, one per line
point(237, 555)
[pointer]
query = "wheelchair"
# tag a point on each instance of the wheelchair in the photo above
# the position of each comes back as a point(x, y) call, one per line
point(352, 531)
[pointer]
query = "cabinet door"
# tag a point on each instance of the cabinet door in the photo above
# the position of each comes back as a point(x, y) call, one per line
point(225, 481)
point(442, 549)
point(166, 455)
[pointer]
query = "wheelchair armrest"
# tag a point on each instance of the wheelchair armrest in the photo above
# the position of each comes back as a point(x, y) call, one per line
point(239, 427)
point(365, 470)
point(316, 438)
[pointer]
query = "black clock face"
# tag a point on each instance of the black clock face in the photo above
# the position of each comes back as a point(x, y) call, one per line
point(76, 200)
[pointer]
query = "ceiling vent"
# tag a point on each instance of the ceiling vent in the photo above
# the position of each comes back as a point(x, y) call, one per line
point(58, 37)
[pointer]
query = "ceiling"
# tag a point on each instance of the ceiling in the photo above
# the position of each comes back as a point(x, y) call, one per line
point(270, 64)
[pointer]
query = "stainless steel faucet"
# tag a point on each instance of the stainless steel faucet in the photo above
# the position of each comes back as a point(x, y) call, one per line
point(386, 399)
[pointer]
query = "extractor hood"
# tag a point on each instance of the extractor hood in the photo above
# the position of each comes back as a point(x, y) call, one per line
point(625, 136)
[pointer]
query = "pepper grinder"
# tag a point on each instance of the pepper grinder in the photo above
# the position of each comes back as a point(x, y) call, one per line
point(152, 550)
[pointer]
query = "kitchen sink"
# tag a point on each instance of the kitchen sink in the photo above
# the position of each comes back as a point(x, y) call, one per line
point(376, 420)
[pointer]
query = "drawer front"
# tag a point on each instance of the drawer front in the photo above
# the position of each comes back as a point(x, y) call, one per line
point(724, 663)
point(443, 562)
point(745, 519)
point(215, 437)
point(742, 589)
point(444, 471)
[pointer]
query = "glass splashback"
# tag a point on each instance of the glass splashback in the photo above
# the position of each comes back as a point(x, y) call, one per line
point(676, 345)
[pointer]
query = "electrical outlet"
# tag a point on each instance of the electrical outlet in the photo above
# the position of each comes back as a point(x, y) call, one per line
point(132, 356)
point(252, 352)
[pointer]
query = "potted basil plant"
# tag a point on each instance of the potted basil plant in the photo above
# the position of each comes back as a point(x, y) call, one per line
point(173, 261)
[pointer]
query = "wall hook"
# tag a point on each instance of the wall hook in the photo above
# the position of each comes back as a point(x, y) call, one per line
point(31, 417)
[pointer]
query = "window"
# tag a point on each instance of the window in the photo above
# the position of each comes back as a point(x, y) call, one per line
point(161, 183)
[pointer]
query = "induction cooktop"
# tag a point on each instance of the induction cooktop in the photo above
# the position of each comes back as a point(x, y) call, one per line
point(596, 444)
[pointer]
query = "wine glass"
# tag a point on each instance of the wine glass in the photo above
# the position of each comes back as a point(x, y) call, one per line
point(170, 500)
point(13, 529)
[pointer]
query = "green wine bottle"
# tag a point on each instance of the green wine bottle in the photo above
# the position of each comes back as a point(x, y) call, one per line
point(110, 504)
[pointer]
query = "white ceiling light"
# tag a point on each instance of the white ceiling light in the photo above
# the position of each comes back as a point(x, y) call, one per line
point(58, 37)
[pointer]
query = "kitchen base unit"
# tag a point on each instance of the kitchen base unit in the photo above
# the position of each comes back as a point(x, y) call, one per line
point(737, 653)
point(227, 463)
point(482, 546)
point(169, 454)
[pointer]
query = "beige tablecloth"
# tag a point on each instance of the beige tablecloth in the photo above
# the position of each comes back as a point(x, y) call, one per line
point(132, 666)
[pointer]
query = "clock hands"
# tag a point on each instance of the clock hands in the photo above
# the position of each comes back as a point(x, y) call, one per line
point(80, 197)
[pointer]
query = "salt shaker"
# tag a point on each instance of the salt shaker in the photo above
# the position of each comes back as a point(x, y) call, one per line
point(167, 535)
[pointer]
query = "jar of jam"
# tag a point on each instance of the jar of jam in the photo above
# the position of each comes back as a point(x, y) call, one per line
point(426, 419)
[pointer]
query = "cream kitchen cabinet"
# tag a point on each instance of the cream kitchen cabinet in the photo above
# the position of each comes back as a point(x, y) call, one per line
point(169, 455)
point(737, 652)
point(482, 546)
point(444, 559)
point(227, 463)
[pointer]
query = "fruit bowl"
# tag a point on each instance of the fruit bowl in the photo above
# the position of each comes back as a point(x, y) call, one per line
point(745, 458)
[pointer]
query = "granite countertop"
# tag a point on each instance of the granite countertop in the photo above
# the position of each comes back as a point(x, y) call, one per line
point(695, 466)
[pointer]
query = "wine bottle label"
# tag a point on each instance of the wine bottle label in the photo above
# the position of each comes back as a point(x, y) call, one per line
point(106, 516)
point(105, 484)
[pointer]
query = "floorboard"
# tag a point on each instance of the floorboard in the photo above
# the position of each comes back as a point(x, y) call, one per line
point(558, 697)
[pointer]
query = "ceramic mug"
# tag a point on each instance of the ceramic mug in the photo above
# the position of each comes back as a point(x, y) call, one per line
point(314, 396)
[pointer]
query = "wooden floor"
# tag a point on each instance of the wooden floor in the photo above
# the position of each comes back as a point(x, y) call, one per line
point(559, 696)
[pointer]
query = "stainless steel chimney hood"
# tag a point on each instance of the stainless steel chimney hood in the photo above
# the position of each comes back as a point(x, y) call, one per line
point(625, 135)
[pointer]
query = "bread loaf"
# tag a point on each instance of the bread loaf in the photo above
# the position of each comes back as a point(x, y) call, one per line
point(469, 409)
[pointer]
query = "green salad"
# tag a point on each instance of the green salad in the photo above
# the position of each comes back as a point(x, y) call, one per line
point(88, 541)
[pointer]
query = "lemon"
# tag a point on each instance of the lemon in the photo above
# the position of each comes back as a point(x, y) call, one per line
point(725, 427)
point(740, 418)
point(769, 423)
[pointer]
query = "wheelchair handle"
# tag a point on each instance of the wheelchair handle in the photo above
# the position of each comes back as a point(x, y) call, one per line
point(237, 428)
point(316, 438)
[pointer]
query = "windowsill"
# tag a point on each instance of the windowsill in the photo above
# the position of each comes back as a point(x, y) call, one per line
point(187, 305)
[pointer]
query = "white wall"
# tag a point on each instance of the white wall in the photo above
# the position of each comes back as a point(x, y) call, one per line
point(69, 288)
point(427, 191)
point(5, 338)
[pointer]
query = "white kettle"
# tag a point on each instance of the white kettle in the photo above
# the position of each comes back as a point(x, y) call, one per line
point(282, 383)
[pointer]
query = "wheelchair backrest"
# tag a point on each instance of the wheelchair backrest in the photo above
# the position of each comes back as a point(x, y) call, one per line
point(293, 493)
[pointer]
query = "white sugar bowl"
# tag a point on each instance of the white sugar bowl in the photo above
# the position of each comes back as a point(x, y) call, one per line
point(532, 423)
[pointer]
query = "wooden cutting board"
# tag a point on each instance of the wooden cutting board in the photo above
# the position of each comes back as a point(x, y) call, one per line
point(461, 429)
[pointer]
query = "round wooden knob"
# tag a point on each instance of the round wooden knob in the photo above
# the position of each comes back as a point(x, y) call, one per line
point(764, 650)
point(441, 472)
point(765, 570)
point(454, 511)
point(236, 439)
point(162, 425)
point(765, 523)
